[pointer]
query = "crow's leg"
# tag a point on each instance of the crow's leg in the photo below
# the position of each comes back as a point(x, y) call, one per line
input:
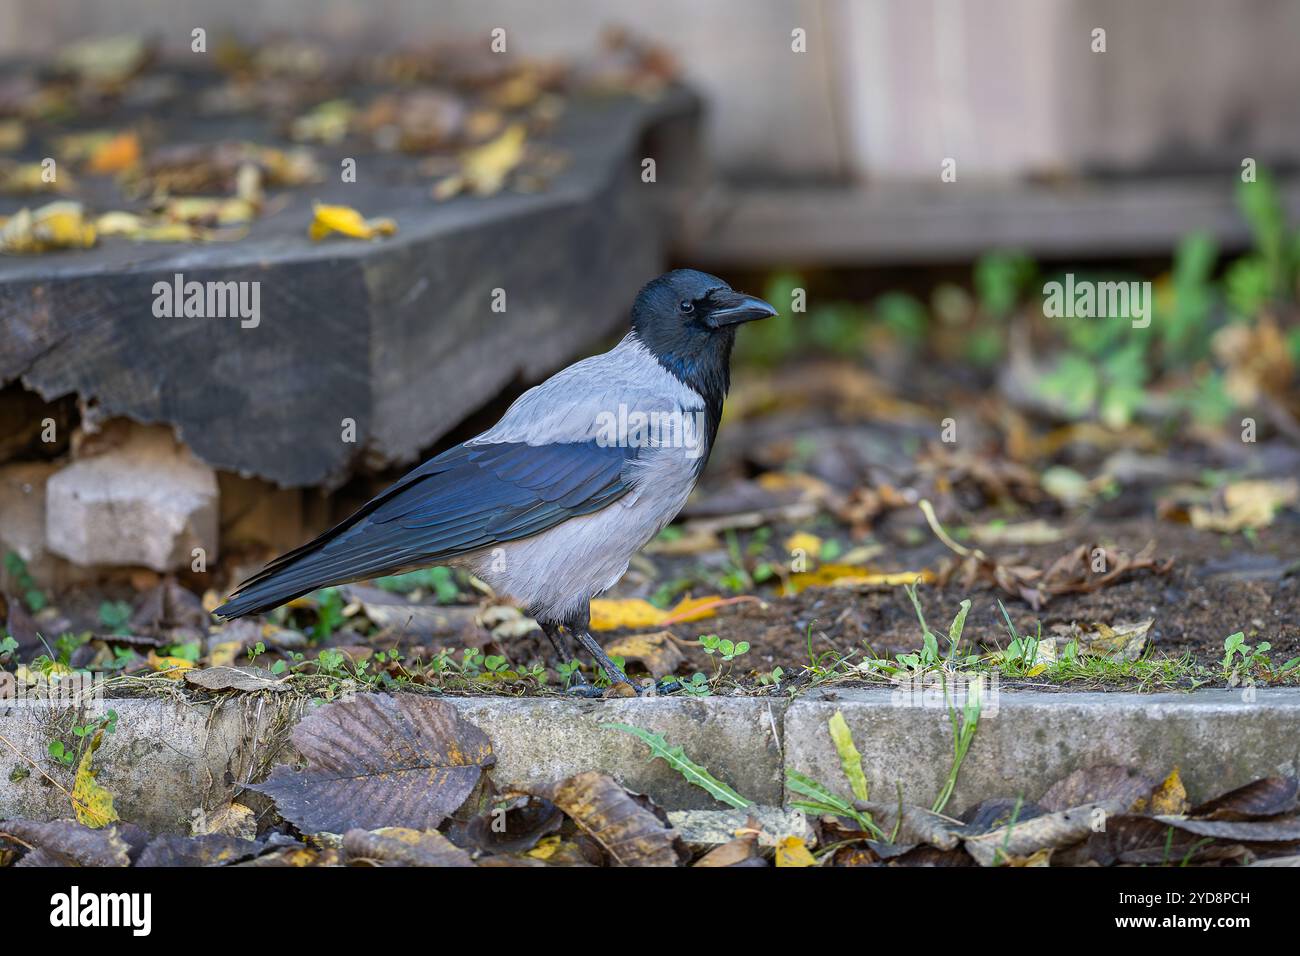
point(578, 626)
point(563, 650)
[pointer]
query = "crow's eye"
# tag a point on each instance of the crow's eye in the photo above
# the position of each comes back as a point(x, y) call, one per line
point(687, 307)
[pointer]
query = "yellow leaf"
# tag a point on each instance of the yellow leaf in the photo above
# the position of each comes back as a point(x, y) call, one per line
point(486, 167)
point(59, 225)
point(348, 222)
point(224, 654)
point(657, 652)
point(25, 178)
point(853, 576)
point(850, 758)
point(609, 614)
point(1170, 798)
point(809, 544)
point(1041, 857)
point(694, 609)
point(793, 852)
point(92, 804)
point(210, 210)
point(173, 667)
point(545, 848)
point(779, 482)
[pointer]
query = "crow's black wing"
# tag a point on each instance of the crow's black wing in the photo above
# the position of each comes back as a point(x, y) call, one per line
point(470, 497)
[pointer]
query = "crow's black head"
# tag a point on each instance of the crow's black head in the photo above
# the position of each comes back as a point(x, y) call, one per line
point(688, 320)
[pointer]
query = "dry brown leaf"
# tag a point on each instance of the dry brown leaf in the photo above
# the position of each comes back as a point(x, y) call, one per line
point(1116, 787)
point(631, 834)
point(1027, 837)
point(379, 761)
point(1245, 504)
point(248, 679)
point(401, 846)
point(66, 843)
point(1122, 641)
point(738, 851)
point(230, 819)
point(1267, 797)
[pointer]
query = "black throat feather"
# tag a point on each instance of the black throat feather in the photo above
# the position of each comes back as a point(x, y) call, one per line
point(700, 359)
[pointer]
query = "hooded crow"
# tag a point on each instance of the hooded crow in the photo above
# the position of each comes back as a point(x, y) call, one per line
point(549, 505)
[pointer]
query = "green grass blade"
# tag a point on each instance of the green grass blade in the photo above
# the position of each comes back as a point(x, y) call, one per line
point(692, 772)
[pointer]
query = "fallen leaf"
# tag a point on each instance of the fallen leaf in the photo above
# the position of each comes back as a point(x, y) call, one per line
point(851, 576)
point(610, 614)
point(485, 168)
point(1122, 788)
point(115, 155)
point(734, 853)
point(401, 846)
point(1245, 504)
point(1170, 797)
point(515, 827)
point(1143, 840)
point(13, 134)
point(631, 834)
point(792, 851)
point(809, 544)
point(1122, 641)
point(92, 803)
point(346, 221)
point(173, 667)
point(918, 824)
point(59, 225)
point(25, 179)
point(657, 652)
point(1025, 533)
point(250, 679)
point(229, 819)
point(379, 761)
point(66, 843)
point(1267, 797)
point(691, 541)
point(208, 849)
point(225, 653)
point(1024, 838)
point(105, 61)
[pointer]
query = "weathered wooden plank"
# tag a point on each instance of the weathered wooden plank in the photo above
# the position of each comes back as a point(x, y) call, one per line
point(887, 224)
point(397, 335)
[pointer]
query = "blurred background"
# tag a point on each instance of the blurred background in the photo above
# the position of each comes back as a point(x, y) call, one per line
point(903, 179)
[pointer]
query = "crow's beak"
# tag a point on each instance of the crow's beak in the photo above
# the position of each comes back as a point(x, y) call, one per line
point(732, 308)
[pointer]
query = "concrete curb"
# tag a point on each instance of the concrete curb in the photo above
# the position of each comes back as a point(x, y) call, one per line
point(169, 759)
point(1216, 739)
